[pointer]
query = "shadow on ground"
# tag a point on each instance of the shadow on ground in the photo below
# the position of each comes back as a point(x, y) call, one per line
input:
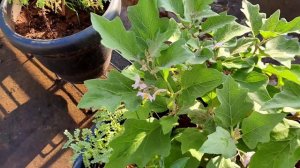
point(35, 109)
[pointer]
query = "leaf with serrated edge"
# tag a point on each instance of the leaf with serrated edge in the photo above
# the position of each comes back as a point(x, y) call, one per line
point(175, 6)
point(220, 162)
point(292, 74)
point(288, 97)
point(257, 128)
point(168, 123)
point(177, 53)
point(219, 142)
point(216, 22)
point(254, 18)
point(282, 49)
point(197, 82)
point(230, 31)
point(235, 104)
point(191, 138)
point(110, 92)
point(277, 154)
point(140, 142)
point(121, 40)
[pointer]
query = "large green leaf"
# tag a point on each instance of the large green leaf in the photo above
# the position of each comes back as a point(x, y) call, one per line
point(220, 162)
point(230, 31)
point(277, 154)
point(157, 44)
point(268, 28)
point(175, 6)
point(115, 36)
point(141, 141)
point(235, 104)
point(256, 83)
point(168, 123)
point(257, 128)
point(194, 8)
point(176, 157)
point(285, 27)
point(254, 18)
point(197, 82)
point(150, 30)
point(271, 23)
point(191, 139)
point(282, 49)
point(288, 97)
point(274, 27)
point(292, 74)
point(177, 53)
point(219, 142)
point(110, 92)
point(216, 22)
point(145, 21)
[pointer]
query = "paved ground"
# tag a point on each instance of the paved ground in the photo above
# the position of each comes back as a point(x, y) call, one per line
point(34, 112)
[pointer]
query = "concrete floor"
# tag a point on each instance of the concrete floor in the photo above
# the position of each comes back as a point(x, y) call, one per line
point(34, 112)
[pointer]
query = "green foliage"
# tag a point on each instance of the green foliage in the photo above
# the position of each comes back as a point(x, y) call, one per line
point(140, 142)
point(220, 142)
point(58, 6)
point(93, 145)
point(259, 124)
point(199, 93)
point(235, 104)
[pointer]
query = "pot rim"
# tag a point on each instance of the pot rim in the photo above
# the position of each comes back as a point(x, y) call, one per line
point(112, 11)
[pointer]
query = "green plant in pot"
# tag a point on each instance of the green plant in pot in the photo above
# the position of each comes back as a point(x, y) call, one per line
point(59, 34)
point(198, 93)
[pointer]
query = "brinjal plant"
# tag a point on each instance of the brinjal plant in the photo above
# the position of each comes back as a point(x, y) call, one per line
point(200, 91)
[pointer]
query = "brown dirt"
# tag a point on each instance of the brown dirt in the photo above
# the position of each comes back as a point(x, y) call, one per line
point(31, 23)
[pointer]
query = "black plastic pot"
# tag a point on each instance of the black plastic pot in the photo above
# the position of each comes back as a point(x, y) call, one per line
point(74, 58)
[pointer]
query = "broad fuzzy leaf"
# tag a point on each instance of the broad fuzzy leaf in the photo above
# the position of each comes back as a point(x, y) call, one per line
point(204, 55)
point(256, 83)
point(285, 27)
point(175, 6)
point(168, 123)
point(288, 97)
point(268, 28)
point(220, 162)
point(219, 142)
point(110, 92)
point(157, 44)
point(197, 82)
point(146, 25)
point(274, 27)
point(216, 22)
point(271, 23)
point(176, 157)
point(191, 139)
point(115, 36)
point(140, 142)
point(292, 74)
point(235, 104)
point(277, 154)
point(230, 31)
point(194, 8)
point(177, 53)
point(257, 128)
point(254, 18)
point(283, 49)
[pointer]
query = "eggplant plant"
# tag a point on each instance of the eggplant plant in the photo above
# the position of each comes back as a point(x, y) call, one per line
point(199, 93)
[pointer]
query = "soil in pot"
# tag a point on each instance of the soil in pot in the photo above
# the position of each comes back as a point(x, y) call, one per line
point(35, 23)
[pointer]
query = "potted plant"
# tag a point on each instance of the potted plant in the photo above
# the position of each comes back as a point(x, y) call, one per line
point(198, 93)
point(74, 57)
